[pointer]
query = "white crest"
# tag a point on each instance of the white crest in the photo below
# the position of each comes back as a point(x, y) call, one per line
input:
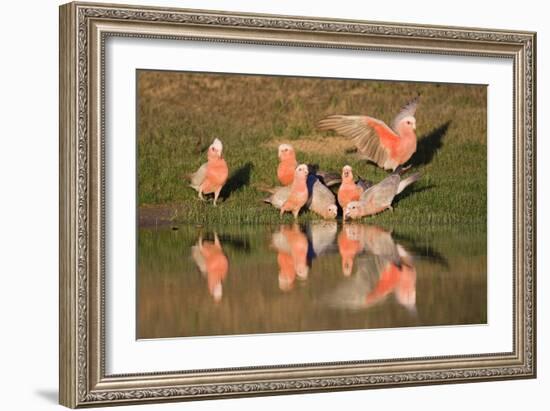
point(217, 144)
point(285, 146)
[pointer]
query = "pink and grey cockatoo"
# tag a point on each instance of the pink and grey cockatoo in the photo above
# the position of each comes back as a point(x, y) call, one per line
point(298, 192)
point(212, 175)
point(349, 190)
point(287, 164)
point(388, 147)
point(379, 197)
point(321, 200)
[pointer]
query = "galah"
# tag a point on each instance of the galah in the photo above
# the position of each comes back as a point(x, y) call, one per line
point(212, 175)
point(348, 190)
point(212, 263)
point(320, 199)
point(379, 197)
point(287, 164)
point(298, 192)
point(388, 147)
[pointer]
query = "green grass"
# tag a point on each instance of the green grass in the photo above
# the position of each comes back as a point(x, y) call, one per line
point(179, 114)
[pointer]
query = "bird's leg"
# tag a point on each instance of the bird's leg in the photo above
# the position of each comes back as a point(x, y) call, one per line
point(216, 194)
point(282, 212)
point(295, 213)
point(200, 193)
point(390, 208)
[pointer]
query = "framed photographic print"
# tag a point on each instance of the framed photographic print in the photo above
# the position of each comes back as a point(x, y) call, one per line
point(260, 204)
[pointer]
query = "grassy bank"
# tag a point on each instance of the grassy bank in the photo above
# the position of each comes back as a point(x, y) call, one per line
point(179, 114)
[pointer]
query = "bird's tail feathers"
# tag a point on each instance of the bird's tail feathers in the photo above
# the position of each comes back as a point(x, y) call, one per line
point(264, 188)
point(407, 182)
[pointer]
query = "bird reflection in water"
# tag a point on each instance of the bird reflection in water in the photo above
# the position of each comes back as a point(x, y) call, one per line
point(212, 263)
point(291, 245)
point(348, 246)
point(382, 268)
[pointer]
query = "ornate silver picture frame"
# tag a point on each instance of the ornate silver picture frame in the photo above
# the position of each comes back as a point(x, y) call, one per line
point(84, 30)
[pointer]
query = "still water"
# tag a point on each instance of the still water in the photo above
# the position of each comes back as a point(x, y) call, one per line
point(203, 281)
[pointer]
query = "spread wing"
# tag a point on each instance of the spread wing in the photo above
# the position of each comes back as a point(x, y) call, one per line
point(198, 176)
point(408, 109)
point(373, 138)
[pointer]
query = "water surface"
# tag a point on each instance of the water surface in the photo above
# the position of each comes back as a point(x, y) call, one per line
point(226, 280)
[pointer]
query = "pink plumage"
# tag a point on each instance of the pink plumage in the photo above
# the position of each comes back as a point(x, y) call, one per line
point(212, 175)
point(298, 192)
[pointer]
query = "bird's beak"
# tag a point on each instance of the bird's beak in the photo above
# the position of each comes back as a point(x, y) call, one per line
point(414, 126)
point(347, 214)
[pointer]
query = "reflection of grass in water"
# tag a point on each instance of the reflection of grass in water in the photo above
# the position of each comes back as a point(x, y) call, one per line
point(179, 114)
point(174, 301)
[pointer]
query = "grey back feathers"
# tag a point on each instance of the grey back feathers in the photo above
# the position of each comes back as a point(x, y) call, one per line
point(321, 198)
point(198, 177)
point(383, 192)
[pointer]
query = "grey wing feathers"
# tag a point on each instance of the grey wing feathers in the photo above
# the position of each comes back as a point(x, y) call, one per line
point(279, 196)
point(408, 109)
point(361, 134)
point(322, 197)
point(382, 192)
point(407, 182)
point(198, 176)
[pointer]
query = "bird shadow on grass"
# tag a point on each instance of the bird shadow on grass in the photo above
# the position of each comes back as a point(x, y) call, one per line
point(429, 145)
point(410, 191)
point(237, 180)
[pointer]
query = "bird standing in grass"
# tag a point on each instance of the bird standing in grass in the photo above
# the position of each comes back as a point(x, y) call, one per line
point(379, 197)
point(212, 175)
point(348, 191)
point(388, 147)
point(287, 164)
point(320, 199)
point(298, 192)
